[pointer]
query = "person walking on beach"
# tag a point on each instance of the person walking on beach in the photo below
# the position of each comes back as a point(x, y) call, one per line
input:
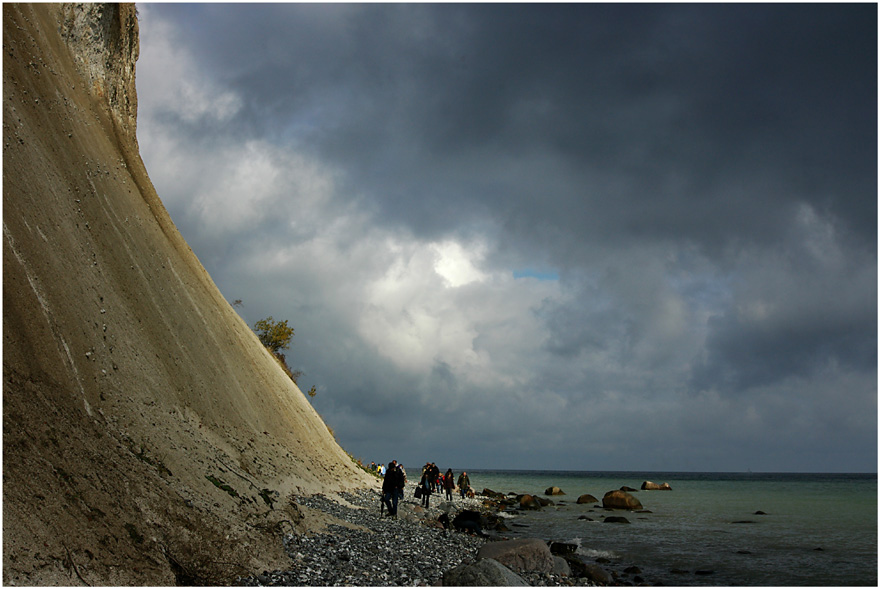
point(426, 486)
point(390, 488)
point(402, 480)
point(464, 483)
point(435, 477)
point(449, 484)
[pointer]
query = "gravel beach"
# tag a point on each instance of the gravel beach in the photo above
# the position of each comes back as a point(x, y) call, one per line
point(366, 548)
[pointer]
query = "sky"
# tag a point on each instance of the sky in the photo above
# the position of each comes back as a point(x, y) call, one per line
point(564, 237)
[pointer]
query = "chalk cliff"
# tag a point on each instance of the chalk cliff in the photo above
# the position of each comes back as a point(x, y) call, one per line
point(148, 437)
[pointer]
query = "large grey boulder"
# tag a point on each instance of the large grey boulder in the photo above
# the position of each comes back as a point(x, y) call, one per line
point(483, 573)
point(560, 567)
point(523, 555)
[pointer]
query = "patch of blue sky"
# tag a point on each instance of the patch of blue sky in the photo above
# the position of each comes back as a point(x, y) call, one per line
point(537, 274)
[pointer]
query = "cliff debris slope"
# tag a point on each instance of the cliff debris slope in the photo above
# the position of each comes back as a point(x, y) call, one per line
point(148, 437)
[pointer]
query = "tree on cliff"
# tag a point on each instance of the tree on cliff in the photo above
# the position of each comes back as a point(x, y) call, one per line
point(276, 336)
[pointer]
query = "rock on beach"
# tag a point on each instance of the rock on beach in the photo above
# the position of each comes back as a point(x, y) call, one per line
point(483, 573)
point(520, 555)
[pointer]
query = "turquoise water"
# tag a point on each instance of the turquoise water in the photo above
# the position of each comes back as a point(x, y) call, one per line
point(819, 529)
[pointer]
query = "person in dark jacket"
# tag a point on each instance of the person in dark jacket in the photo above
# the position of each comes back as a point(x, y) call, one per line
point(390, 485)
point(464, 483)
point(449, 484)
point(426, 487)
point(435, 477)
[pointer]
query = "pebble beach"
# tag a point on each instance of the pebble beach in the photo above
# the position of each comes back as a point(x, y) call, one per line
point(374, 549)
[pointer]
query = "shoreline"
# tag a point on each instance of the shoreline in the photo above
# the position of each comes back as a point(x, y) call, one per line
point(360, 547)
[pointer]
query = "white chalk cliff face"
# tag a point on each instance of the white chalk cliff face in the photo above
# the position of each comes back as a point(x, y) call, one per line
point(148, 437)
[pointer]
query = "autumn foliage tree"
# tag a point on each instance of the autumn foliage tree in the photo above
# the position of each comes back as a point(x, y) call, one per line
point(276, 336)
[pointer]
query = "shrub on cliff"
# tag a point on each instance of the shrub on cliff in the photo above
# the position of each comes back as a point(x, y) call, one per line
point(275, 335)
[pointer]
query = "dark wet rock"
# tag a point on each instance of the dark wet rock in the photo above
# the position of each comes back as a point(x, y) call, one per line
point(620, 500)
point(632, 570)
point(759, 512)
point(744, 521)
point(587, 498)
point(589, 519)
point(582, 568)
point(528, 502)
point(616, 519)
point(468, 521)
point(628, 489)
point(554, 491)
point(561, 548)
point(493, 494)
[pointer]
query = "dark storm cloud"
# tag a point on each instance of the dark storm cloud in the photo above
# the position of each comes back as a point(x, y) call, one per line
point(695, 182)
point(695, 121)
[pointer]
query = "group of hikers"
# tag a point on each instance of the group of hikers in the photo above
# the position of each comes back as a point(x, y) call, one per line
point(431, 481)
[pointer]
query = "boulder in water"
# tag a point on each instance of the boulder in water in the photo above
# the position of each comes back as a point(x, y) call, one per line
point(620, 500)
point(649, 486)
point(554, 491)
point(587, 498)
point(528, 502)
point(561, 548)
point(580, 567)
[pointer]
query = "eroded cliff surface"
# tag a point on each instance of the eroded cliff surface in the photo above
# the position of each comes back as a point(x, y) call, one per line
point(148, 437)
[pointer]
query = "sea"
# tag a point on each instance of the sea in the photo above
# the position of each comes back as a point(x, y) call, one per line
point(813, 529)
